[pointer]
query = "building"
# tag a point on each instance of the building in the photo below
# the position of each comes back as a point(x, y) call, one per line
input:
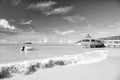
point(112, 42)
point(89, 42)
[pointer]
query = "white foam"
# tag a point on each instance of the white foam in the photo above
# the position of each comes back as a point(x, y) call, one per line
point(28, 67)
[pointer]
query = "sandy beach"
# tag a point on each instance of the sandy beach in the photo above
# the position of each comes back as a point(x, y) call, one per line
point(107, 69)
point(59, 39)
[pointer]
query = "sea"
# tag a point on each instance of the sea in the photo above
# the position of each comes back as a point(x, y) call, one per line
point(9, 53)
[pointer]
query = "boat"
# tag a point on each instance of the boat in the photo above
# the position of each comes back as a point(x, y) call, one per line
point(27, 48)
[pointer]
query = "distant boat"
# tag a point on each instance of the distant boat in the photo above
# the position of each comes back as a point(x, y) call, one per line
point(27, 48)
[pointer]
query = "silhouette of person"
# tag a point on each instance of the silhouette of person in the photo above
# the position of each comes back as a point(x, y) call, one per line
point(23, 48)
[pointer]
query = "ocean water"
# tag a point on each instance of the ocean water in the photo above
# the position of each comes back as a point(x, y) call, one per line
point(13, 53)
point(13, 61)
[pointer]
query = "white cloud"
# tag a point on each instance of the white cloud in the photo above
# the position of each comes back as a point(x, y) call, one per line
point(65, 32)
point(42, 5)
point(89, 27)
point(3, 41)
point(47, 8)
point(70, 41)
point(28, 36)
point(60, 10)
point(111, 30)
point(42, 40)
point(75, 19)
point(65, 41)
point(115, 25)
point(103, 33)
point(23, 22)
point(61, 41)
point(16, 2)
point(45, 40)
point(5, 25)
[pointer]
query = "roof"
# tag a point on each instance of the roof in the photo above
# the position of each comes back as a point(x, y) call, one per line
point(88, 36)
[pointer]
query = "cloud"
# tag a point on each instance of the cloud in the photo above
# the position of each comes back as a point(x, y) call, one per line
point(5, 25)
point(65, 41)
point(70, 41)
point(112, 29)
point(16, 2)
point(89, 27)
point(42, 40)
point(61, 41)
point(23, 22)
point(42, 5)
point(33, 37)
point(75, 19)
point(64, 33)
point(3, 41)
point(103, 33)
point(47, 8)
point(60, 10)
point(115, 25)
point(45, 40)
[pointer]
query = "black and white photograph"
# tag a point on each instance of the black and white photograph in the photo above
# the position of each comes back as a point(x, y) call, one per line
point(59, 39)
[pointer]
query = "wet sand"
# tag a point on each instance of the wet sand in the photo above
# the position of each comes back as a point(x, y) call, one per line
point(108, 69)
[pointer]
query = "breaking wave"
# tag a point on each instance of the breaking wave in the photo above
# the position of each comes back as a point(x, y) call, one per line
point(29, 67)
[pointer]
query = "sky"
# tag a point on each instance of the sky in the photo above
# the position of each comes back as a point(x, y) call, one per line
point(57, 21)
